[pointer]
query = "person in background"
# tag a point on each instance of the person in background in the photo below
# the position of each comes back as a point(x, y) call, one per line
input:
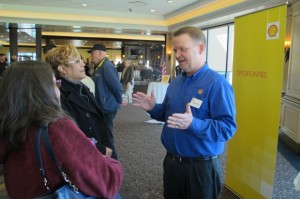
point(87, 68)
point(178, 70)
point(120, 67)
point(109, 91)
point(113, 63)
point(3, 63)
point(76, 99)
point(31, 100)
point(199, 115)
point(127, 80)
point(14, 58)
point(88, 80)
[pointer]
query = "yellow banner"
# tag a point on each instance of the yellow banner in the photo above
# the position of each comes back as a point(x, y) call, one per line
point(257, 82)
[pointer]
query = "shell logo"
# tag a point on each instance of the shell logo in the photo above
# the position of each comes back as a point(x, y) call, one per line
point(272, 31)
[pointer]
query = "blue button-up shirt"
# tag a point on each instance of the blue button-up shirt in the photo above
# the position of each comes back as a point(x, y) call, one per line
point(213, 123)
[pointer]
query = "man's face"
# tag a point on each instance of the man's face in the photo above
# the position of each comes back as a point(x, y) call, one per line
point(188, 53)
point(126, 64)
point(2, 58)
point(97, 56)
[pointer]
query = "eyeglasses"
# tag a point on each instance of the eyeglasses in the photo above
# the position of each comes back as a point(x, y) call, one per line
point(78, 61)
point(58, 83)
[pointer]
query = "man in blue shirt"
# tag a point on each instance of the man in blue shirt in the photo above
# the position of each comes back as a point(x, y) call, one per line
point(199, 115)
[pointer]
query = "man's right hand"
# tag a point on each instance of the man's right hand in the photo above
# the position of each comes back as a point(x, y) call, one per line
point(144, 101)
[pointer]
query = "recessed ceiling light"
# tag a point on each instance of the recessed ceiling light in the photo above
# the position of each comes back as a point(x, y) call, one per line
point(152, 10)
point(148, 32)
point(170, 1)
point(84, 4)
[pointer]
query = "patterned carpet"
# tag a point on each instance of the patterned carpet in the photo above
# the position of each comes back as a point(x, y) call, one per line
point(141, 154)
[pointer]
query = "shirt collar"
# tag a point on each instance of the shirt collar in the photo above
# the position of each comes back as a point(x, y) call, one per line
point(197, 73)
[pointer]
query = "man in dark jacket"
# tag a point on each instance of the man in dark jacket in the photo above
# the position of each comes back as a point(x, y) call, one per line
point(108, 90)
point(3, 63)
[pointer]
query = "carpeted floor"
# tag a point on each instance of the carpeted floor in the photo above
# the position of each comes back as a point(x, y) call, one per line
point(141, 154)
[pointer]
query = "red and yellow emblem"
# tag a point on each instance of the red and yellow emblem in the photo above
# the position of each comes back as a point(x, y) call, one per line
point(272, 31)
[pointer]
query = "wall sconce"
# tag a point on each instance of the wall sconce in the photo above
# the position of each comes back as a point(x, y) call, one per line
point(287, 45)
point(169, 54)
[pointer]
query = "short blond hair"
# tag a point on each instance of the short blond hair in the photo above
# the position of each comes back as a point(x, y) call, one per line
point(195, 33)
point(60, 56)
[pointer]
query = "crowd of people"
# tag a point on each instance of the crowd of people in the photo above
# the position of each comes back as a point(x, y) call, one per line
point(4, 62)
point(198, 111)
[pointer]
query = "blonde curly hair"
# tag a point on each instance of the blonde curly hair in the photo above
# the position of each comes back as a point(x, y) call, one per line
point(61, 56)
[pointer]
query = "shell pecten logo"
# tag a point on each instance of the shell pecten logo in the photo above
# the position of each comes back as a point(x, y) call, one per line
point(272, 31)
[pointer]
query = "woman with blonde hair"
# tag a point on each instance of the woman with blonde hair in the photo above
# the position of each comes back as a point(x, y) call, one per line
point(30, 99)
point(76, 99)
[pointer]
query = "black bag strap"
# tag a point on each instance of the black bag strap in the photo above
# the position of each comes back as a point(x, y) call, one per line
point(43, 131)
point(50, 150)
point(38, 156)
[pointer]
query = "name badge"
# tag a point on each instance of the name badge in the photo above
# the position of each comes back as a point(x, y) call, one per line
point(195, 103)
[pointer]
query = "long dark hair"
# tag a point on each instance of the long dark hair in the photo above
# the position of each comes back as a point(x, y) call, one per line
point(27, 99)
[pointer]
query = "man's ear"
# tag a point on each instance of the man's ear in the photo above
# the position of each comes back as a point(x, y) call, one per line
point(201, 48)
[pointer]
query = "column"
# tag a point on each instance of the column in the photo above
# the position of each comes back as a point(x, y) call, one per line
point(13, 39)
point(38, 42)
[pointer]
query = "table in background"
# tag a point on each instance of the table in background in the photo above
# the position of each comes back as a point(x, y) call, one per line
point(159, 89)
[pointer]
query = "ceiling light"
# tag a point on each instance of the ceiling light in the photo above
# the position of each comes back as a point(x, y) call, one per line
point(152, 10)
point(170, 1)
point(84, 5)
point(138, 3)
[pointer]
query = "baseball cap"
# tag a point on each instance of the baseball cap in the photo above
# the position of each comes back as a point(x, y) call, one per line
point(97, 47)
